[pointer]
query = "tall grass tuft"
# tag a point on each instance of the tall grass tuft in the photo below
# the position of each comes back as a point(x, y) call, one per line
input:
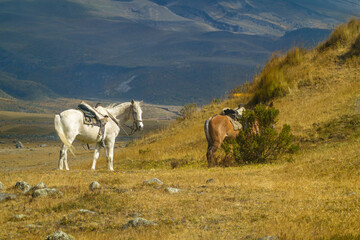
point(343, 35)
point(355, 48)
point(273, 80)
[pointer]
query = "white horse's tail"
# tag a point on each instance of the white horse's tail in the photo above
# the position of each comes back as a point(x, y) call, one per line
point(60, 131)
point(207, 133)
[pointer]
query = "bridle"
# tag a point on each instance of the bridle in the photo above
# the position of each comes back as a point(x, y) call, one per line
point(134, 128)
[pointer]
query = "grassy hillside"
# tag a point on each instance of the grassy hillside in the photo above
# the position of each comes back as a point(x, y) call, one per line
point(315, 195)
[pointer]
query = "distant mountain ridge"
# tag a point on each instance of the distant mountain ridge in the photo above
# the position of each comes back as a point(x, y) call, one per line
point(161, 51)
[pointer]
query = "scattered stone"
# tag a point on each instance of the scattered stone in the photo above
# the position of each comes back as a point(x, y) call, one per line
point(43, 192)
point(43, 145)
point(2, 142)
point(33, 226)
point(121, 190)
point(87, 211)
point(60, 235)
point(5, 196)
point(136, 222)
point(172, 190)
point(152, 181)
point(19, 144)
point(135, 215)
point(23, 186)
point(211, 180)
point(18, 217)
point(40, 185)
point(1, 186)
point(94, 185)
point(269, 238)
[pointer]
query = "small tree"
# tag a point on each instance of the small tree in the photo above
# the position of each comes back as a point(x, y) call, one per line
point(188, 110)
point(259, 142)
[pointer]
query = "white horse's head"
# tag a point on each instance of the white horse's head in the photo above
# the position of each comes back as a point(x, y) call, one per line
point(137, 114)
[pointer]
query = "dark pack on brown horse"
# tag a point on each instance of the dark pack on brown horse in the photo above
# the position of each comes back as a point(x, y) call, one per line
point(219, 128)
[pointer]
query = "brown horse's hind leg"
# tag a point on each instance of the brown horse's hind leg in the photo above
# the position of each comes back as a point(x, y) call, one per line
point(210, 155)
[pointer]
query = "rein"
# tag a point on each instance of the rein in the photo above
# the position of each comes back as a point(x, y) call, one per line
point(133, 129)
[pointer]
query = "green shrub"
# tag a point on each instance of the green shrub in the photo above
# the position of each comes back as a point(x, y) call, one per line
point(263, 145)
point(188, 110)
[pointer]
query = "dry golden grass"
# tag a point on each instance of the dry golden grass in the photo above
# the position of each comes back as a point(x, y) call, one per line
point(313, 195)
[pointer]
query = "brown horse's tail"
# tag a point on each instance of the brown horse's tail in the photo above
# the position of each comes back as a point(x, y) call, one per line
point(207, 132)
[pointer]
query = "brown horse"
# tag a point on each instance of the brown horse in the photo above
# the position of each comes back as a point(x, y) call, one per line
point(217, 129)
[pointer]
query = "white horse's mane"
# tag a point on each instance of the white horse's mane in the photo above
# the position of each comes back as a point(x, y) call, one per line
point(114, 105)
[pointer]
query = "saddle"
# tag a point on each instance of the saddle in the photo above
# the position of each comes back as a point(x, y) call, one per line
point(233, 117)
point(90, 117)
point(93, 117)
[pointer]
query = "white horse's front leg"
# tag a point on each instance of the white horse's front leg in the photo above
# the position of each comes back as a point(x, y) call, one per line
point(63, 158)
point(96, 155)
point(110, 147)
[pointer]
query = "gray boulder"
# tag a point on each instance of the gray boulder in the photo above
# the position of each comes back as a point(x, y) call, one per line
point(172, 190)
point(5, 196)
point(269, 238)
point(23, 186)
point(60, 235)
point(211, 180)
point(94, 185)
point(153, 181)
point(33, 226)
point(40, 185)
point(43, 192)
point(85, 211)
point(137, 222)
point(1, 186)
point(18, 217)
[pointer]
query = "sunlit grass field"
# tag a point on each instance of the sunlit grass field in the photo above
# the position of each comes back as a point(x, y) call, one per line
point(313, 194)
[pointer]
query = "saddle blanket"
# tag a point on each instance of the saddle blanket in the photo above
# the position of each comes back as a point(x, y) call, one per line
point(236, 124)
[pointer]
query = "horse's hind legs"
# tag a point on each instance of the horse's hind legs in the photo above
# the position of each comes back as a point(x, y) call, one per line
point(210, 155)
point(96, 155)
point(63, 158)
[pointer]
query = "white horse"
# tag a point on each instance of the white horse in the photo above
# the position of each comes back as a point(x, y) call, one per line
point(69, 126)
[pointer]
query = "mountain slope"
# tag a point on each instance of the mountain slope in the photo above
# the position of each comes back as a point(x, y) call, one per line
point(143, 49)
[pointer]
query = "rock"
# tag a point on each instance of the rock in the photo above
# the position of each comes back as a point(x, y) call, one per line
point(43, 145)
point(18, 217)
point(43, 192)
point(135, 215)
point(19, 144)
point(60, 235)
point(152, 181)
point(136, 222)
point(94, 185)
point(5, 196)
point(86, 211)
point(269, 238)
point(172, 190)
point(2, 142)
point(23, 186)
point(211, 180)
point(1, 186)
point(40, 185)
point(32, 226)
